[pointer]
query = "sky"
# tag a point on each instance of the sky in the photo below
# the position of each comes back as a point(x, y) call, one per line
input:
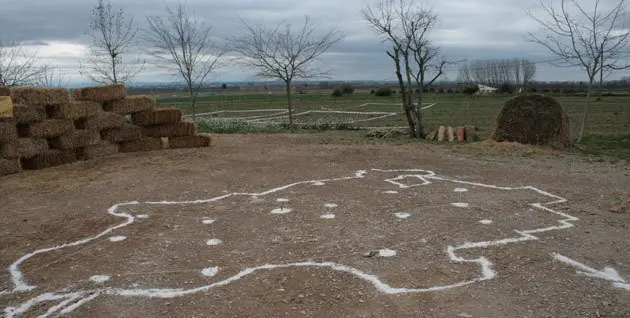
point(467, 30)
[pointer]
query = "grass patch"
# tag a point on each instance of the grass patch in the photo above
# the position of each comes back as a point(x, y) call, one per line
point(617, 146)
point(240, 126)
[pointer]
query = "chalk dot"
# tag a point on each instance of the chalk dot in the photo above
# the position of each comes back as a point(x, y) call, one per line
point(391, 192)
point(213, 242)
point(117, 238)
point(402, 215)
point(486, 222)
point(330, 205)
point(281, 211)
point(319, 183)
point(100, 278)
point(460, 190)
point(207, 221)
point(210, 271)
point(142, 216)
point(282, 200)
point(328, 216)
point(386, 253)
point(460, 205)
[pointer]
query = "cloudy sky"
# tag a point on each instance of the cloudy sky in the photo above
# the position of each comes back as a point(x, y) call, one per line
point(468, 29)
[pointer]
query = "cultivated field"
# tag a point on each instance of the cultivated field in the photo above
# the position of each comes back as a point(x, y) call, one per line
point(609, 116)
point(316, 225)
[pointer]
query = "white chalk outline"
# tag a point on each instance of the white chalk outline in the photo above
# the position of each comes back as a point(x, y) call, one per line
point(487, 273)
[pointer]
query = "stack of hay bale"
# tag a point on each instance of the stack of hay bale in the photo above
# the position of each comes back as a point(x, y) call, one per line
point(450, 134)
point(50, 127)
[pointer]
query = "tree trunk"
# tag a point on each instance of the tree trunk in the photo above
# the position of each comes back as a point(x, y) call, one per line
point(585, 113)
point(290, 105)
point(114, 69)
point(193, 99)
point(416, 116)
point(403, 92)
point(419, 114)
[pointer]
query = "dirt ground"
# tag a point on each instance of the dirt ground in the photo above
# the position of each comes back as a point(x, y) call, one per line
point(320, 225)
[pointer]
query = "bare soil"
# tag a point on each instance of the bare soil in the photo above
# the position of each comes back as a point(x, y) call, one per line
point(318, 267)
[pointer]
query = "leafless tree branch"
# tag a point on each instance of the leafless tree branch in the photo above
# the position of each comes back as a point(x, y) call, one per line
point(18, 66)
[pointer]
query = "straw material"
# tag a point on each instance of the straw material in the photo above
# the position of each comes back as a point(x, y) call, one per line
point(102, 149)
point(144, 144)
point(128, 132)
point(47, 128)
point(129, 105)
point(104, 93)
point(101, 121)
point(50, 158)
point(76, 139)
point(23, 148)
point(8, 131)
point(39, 96)
point(5, 91)
point(189, 142)
point(23, 114)
point(533, 119)
point(160, 116)
point(181, 129)
point(10, 166)
point(74, 110)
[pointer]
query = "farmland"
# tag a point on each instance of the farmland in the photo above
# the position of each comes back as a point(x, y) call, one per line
point(607, 131)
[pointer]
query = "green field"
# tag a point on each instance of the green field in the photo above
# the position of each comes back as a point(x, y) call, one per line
point(608, 116)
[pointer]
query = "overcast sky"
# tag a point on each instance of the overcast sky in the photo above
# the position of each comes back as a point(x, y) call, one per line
point(468, 29)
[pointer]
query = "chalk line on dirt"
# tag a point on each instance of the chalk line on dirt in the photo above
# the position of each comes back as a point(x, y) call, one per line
point(419, 176)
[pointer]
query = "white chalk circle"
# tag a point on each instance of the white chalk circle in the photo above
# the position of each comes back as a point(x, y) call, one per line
point(117, 238)
point(210, 271)
point(142, 216)
point(402, 215)
point(213, 242)
point(281, 211)
point(460, 205)
point(386, 253)
point(460, 190)
point(100, 278)
point(486, 222)
point(391, 192)
point(330, 205)
point(328, 216)
point(282, 200)
point(207, 221)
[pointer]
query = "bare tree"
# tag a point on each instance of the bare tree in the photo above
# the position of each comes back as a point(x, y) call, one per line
point(112, 34)
point(463, 75)
point(528, 71)
point(52, 77)
point(19, 66)
point(405, 26)
point(590, 39)
point(185, 48)
point(284, 54)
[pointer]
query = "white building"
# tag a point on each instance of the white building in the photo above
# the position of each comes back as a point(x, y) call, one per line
point(485, 90)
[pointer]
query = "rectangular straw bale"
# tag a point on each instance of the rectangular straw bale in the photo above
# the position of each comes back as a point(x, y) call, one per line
point(129, 105)
point(23, 114)
point(74, 110)
point(10, 166)
point(5, 91)
point(8, 131)
point(128, 132)
point(39, 96)
point(144, 144)
point(23, 147)
point(105, 93)
point(160, 116)
point(101, 121)
point(47, 128)
point(189, 142)
point(49, 158)
point(76, 139)
point(180, 129)
point(102, 149)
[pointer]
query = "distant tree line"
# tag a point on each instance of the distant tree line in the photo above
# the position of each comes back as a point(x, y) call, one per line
point(497, 72)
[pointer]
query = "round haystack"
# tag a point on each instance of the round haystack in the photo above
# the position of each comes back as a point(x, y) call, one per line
point(534, 120)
